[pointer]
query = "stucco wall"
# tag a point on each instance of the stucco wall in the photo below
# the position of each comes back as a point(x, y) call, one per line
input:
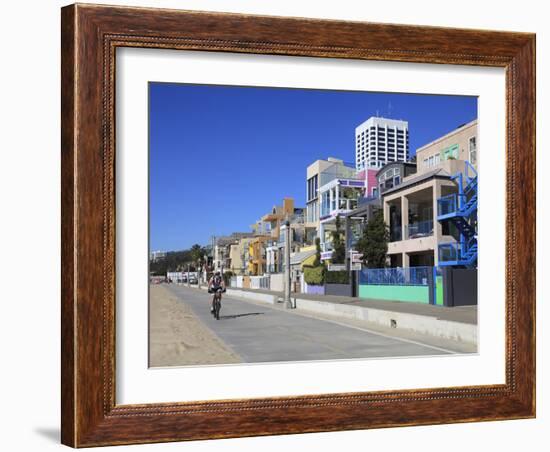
point(417, 294)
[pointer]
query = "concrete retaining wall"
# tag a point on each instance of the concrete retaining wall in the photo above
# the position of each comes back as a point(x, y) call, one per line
point(263, 297)
point(458, 331)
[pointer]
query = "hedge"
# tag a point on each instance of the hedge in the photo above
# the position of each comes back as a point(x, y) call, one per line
point(314, 275)
point(337, 277)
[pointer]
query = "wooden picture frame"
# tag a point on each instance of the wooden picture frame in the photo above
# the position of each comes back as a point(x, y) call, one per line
point(90, 36)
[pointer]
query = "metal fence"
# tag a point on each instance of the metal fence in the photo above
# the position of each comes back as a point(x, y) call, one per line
point(409, 276)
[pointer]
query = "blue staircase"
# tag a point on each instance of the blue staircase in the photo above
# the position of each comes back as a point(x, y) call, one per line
point(460, 209)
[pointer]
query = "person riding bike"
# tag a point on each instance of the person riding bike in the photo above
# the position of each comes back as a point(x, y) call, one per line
point(216, 284)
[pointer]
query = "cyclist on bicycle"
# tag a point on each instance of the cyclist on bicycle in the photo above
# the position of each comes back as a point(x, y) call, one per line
point(216, 284)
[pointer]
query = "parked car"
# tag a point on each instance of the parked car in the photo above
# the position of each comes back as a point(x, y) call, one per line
point(193, 279)
point(184, 279)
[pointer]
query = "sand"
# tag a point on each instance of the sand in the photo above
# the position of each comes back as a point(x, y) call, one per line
point(178, 338)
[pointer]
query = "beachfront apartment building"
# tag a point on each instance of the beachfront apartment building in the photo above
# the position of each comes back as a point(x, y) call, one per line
point(257, 255)
point(278, 216)
point(379, 141)
point(318, 174)
point(432, 212)
point(338, 198)
point(221, 250)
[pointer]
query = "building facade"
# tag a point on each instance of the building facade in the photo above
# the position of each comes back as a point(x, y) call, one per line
point(379, 141)
point(157, 255)
point(413, 207)
point(338, 197)
point(392, 174)
point(318, 174)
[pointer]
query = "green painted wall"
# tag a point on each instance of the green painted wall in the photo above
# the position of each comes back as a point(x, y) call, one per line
point(439, 290)
point(415, 294)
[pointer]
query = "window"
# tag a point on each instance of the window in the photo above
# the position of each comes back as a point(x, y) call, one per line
point(450, 153)
point(312, 187)
point(472, 150)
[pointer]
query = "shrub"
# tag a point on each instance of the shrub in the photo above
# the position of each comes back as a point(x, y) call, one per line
point(227, 277)
point(337, 277)
point(314, 275)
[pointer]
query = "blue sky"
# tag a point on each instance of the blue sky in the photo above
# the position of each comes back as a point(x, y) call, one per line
point(221, 156)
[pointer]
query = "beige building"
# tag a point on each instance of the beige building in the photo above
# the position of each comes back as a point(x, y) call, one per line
point(410, 209)
point(460, 144)
point(239, 255)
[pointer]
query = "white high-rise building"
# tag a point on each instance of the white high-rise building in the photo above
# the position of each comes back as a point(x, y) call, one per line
point(379, 141)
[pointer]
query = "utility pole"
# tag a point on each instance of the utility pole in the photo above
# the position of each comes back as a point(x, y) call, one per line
point(288, 303)
point(199, 274)
point(188, 284)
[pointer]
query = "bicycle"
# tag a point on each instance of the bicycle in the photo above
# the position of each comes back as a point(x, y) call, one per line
point(217, 303)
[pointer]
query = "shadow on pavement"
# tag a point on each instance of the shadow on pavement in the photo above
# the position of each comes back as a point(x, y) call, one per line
point(239, 315)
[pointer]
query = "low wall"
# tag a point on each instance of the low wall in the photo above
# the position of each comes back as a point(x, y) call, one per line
point(277, 282)
point(315, 290)
point(256, 296)
point(344, 290)
point(415, 294)
point(259, 282)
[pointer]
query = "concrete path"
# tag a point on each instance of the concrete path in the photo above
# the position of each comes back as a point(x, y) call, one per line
point(264, 334)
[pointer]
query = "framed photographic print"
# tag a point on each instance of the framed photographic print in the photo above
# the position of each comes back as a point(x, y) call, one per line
point(282, 225)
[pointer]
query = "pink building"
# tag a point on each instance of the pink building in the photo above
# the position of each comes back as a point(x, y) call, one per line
point(368, 175)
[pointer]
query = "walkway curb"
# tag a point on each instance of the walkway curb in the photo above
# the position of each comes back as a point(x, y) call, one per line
point(431, 326)
point(423, 324)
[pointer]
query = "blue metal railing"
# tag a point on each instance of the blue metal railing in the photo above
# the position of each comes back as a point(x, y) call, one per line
point(447, 204)
point(457, 253)
point(409, 276)
point(449, 252)
point(419, 229)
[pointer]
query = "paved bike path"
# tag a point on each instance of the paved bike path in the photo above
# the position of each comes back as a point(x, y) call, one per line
point(263, 334)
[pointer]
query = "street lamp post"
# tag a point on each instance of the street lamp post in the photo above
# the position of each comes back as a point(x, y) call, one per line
point(288, 303)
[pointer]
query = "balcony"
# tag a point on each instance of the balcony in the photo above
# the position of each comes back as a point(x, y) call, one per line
point(326, 250)
point(396, 234)
point(415, 230)
point(419, 229)
point(447, 205)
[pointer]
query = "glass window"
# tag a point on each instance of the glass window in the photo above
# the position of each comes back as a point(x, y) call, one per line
point(472, 150)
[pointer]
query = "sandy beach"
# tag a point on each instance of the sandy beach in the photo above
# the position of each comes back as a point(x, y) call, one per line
point(178, 338)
